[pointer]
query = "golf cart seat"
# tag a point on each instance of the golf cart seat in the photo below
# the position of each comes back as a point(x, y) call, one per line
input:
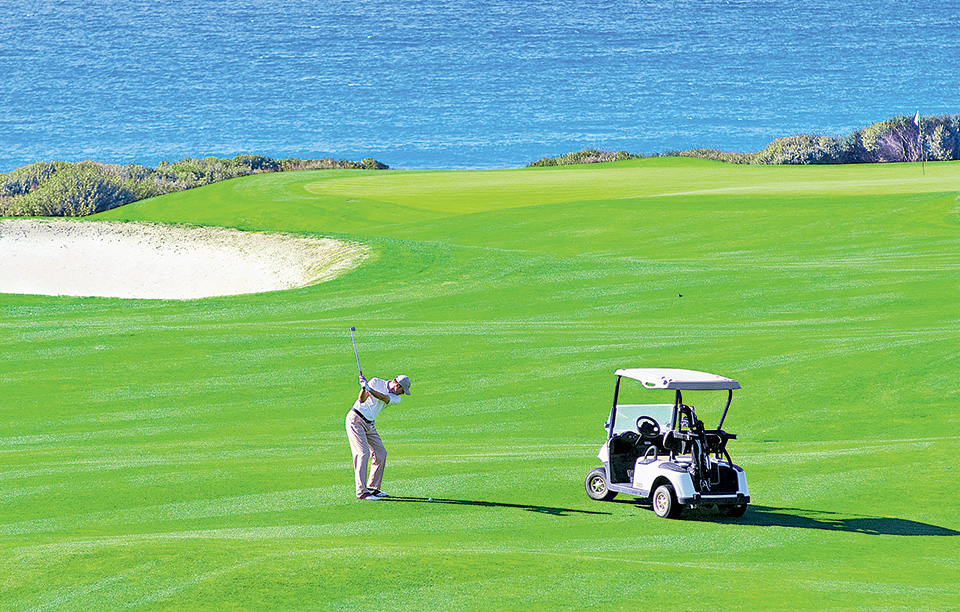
point(672, 444)
point(626, 448)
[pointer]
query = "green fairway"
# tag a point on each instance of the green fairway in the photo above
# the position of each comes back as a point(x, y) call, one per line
point(192, 456)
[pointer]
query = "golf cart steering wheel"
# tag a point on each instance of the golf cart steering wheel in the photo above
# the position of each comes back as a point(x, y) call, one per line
point(648, 427)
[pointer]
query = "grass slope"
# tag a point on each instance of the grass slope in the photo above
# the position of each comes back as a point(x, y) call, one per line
point(191, 455)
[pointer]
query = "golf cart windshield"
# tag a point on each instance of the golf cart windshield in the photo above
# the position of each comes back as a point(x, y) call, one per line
point(627, 415)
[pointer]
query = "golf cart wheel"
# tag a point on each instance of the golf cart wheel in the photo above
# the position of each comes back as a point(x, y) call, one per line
point(596, 485)
point(664, 501)
point(735, 511)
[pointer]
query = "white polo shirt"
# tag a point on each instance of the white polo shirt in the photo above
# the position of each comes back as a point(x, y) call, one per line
point(372, 407)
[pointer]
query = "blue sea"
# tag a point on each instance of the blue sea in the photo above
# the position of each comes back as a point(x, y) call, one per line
point(456, 83)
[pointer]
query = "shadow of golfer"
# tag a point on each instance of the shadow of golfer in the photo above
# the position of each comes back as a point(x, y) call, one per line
point(769, 516)
point(488, 504)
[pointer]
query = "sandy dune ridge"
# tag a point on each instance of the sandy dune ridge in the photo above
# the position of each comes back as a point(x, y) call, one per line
point(152, 261)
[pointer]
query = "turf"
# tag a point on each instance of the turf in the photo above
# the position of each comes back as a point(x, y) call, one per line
point(191, 455)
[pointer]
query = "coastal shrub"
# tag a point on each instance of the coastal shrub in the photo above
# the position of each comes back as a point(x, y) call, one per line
point(58, 189)
point(892, 140)
point(76, 190)
point(586, 156)
point(803, 149)
point(898, 140)
point(25, 179)
point(368, 163)
point(254, 164)
point(943, 141)
point(328, 163)
point(713, 154)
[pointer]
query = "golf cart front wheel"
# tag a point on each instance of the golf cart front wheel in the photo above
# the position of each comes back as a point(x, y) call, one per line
point(596, 485)
point(664, 501)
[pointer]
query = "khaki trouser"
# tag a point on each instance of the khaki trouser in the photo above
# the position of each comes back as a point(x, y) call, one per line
point(365, 443)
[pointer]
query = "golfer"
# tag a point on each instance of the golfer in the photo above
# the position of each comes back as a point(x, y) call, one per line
point(365, 442)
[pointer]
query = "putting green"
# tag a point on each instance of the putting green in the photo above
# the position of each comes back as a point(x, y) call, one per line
point(191, 455)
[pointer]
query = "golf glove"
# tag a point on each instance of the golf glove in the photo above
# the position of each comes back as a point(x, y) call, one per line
point(363, 382)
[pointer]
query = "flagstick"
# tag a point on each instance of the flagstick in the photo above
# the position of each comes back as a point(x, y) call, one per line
point(922, 156)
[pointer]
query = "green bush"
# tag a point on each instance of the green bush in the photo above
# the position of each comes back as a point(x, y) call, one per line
point(586, 156)
point(941, 137)
point(803, 149)
point(893, 140)
point(713, 154)
point(253, 164)
point(25, 179)
point(73, 190)
point(368, 163)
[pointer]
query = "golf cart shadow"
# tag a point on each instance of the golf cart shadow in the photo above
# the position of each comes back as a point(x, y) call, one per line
point(768, 516)
point(488, 504)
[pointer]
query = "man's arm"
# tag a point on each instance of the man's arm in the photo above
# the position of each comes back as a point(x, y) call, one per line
point(383, 397)
point(366, 391)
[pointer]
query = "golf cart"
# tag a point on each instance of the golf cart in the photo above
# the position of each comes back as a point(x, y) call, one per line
point(662, 451)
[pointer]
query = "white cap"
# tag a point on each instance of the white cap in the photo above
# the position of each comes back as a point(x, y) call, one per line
point(404, 381)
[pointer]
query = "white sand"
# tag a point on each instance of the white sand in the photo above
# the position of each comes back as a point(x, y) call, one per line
point(140, 260)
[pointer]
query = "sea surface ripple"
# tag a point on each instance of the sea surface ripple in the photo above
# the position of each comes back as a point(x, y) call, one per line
point(457, 84)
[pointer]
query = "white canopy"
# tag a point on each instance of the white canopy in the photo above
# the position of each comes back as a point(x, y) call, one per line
point(671, 378)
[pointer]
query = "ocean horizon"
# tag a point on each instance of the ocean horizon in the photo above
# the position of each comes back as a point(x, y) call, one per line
point(454, 84)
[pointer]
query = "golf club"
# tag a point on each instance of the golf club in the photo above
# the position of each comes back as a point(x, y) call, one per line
point(357, 355)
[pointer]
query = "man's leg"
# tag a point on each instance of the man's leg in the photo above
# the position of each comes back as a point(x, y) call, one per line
point(379, 454)
point(357, 435)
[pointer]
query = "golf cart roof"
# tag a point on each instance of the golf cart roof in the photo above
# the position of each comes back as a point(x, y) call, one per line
point(671, 378)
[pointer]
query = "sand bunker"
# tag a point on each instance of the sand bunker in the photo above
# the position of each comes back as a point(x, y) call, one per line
point(140, 260)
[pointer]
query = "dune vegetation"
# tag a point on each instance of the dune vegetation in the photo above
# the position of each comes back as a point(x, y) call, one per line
point(898, 139)
point(171, 455)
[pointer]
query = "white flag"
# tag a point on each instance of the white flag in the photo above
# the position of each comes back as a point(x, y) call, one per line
point(916, 119)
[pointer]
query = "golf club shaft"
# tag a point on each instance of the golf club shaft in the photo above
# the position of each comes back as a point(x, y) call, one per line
point(355, 353)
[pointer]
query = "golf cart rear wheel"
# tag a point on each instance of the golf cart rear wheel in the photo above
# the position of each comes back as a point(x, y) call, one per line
point(596, 485)
point(664, 501)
